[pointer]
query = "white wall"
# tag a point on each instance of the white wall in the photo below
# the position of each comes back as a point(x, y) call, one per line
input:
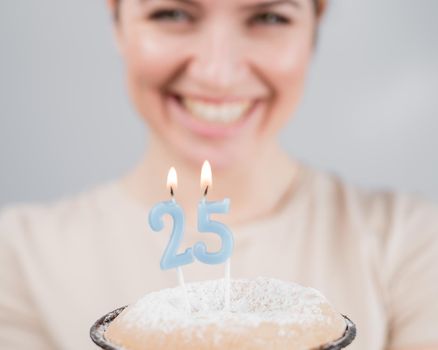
point(369, 114)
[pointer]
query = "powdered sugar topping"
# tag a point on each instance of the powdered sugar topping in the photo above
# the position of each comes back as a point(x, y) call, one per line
point(253, 302)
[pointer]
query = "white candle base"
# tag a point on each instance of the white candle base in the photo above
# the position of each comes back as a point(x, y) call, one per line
point(227, 284)
point(183, 286)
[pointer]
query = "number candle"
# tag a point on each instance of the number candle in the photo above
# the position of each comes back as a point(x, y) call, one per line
point(170, 258)
point(205, 224)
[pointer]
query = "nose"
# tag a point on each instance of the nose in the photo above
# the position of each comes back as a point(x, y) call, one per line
point(217, 63)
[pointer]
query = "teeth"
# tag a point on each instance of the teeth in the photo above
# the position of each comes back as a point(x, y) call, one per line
point(219, 113)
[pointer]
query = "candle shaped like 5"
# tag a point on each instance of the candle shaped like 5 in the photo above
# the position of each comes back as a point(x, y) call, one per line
point(170, 258)
point(205, 224)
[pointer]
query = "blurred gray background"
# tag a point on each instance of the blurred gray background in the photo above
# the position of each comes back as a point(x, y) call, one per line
point(370, 112)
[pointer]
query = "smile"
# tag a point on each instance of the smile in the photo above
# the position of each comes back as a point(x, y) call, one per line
point(210, 117)
point(222, 112)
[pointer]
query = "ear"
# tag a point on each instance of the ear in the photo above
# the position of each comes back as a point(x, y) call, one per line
point(113, 9)
point(322, 7)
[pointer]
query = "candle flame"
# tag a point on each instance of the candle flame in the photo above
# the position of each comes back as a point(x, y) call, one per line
point(172, 180)
point(206, 177)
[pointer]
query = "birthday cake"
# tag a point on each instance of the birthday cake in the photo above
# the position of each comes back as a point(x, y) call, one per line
point(263, 313)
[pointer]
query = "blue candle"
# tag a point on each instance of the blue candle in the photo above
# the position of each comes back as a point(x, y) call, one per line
point(170, 258)
point(206, 225)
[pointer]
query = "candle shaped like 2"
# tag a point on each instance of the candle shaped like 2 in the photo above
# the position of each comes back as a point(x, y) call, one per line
point(170, 258)
point(205, 224)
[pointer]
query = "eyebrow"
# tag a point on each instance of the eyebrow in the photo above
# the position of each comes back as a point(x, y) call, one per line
point(265, 4)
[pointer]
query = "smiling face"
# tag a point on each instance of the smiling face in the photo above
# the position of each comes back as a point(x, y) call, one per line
point(216, 79)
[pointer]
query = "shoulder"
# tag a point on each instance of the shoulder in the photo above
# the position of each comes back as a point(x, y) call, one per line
point(392, 230)
point(20, 220)
point(377, 209)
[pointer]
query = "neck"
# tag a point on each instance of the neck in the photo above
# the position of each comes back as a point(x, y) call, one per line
point(254, 186)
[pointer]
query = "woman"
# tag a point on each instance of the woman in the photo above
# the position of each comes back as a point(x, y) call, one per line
point(217, 80)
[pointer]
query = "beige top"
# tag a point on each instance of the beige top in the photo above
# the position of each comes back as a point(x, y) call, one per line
point(374, 256)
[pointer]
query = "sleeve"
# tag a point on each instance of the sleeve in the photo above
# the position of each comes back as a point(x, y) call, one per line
point(19, 325)
point(412, 275)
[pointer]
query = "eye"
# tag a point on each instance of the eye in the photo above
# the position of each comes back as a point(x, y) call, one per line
point(173, 15)
point(269, 18)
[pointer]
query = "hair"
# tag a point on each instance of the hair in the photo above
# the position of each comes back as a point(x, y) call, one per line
point(318, 6)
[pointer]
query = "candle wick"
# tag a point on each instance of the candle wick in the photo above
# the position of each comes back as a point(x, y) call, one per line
point(206, 191)
point(171, 191)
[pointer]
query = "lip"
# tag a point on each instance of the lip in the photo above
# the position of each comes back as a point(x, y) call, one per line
point(182, 116)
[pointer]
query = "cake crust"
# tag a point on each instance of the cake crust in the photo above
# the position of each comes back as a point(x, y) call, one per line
point(264, 314)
